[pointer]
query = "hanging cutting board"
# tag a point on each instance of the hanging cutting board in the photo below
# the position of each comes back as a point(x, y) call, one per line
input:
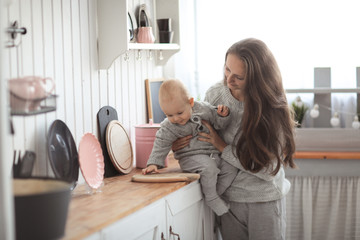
point(105, 115)
point(119, 147)
point(165, 177)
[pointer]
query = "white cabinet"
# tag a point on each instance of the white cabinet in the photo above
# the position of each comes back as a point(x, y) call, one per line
point(180, 215)
point(113, 33)
point(185, 213)
point(145, 224)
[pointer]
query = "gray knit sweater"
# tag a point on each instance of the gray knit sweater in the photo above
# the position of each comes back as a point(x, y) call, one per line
point(169, 132)
point(247, 186)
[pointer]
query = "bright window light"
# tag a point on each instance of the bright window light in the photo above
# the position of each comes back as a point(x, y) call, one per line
point(301, 34)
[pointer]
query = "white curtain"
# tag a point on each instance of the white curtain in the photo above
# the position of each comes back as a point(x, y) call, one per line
point(323, 208)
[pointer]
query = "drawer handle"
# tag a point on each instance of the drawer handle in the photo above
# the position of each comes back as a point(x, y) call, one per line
point(175, 234)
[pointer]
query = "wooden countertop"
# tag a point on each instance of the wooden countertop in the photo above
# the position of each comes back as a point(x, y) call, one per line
point(327, 155)
point(119, 197)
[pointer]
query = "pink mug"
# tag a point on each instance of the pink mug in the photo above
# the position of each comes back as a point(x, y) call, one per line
point(145, 35)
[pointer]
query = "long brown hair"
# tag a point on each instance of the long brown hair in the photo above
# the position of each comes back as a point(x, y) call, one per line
point(267, 127)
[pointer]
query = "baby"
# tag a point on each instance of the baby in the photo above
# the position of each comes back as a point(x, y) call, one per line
point(184, 117)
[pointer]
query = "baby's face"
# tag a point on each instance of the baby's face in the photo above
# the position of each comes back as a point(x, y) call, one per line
point(177, 111)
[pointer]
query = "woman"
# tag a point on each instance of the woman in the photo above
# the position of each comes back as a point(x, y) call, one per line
point(259, 141)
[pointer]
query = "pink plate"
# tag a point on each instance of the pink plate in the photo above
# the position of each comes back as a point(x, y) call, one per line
point(91, 160)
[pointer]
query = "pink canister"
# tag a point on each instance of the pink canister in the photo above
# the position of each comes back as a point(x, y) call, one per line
point(144, 139)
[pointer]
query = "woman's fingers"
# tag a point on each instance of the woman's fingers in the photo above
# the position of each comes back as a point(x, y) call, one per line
point(212, 137)
point(181, 143)
point(207, 124)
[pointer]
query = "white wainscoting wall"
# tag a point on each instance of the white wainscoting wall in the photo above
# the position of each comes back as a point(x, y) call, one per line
point(61, 44)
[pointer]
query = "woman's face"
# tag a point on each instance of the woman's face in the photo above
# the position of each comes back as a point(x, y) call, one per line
point(235, 74)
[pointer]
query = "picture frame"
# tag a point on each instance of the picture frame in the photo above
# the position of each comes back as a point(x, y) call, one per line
point(154, 111)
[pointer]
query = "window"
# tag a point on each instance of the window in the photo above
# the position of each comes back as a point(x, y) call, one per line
point(301, 34)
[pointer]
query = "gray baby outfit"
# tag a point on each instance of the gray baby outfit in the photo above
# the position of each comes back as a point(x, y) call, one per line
point(198, 157)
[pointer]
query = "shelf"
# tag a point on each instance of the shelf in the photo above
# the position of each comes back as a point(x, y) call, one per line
point(323, 90)
point(113, 33)
point(45, 105)
point(154, 46)
point(30, 113)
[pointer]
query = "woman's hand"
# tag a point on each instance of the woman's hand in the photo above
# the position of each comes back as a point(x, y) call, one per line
point(212, 137)
point(181, 143)
point(149, 169)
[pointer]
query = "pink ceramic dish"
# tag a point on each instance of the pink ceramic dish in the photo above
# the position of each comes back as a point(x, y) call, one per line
point(91, 160)
point(28, 92)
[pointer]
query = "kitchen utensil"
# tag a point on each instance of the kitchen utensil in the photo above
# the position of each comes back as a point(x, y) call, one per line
point(62, 152)
point(91, 160)
point(41, 208)
point(143, 16)
point(16, 163)
point(144, 32)
point(105, 115)
point(26, 164)
point(145, 35)
point(166, 36)
point(164, 24)
point(165, 177)
point(119, 147)
point(26, 93)
point(132, 26)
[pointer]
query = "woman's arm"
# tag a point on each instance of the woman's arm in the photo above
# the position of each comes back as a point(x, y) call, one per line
point(227, 153)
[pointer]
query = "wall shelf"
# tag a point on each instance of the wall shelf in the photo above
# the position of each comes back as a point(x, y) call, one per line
point(154, 46)
point(113, 33)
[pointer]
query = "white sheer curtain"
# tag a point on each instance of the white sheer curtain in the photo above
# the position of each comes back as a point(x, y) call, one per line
point(323, 208)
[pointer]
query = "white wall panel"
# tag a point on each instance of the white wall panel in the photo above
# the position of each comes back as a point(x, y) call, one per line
point(61, 44)
point(49, 67)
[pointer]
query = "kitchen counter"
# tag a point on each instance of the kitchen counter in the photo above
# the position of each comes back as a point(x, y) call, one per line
point(119, 197)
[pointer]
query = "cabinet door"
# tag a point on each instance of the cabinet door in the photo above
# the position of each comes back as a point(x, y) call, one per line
point(147, 223)
point(185, 213)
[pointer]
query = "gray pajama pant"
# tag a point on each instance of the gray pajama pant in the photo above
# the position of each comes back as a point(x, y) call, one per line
point(216, 176)
point(255, 221)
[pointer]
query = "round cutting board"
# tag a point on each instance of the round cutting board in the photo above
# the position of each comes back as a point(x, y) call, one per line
point(119, 147)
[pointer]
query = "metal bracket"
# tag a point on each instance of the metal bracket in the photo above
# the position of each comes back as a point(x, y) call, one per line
point(13, 30)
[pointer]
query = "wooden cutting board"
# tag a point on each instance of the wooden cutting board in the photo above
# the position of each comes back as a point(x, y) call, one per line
point(165, 177)
point(105, 115)
point(119, 147)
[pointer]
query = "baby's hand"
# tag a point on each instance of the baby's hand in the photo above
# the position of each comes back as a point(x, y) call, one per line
point(223, 110)
point(149, 169)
